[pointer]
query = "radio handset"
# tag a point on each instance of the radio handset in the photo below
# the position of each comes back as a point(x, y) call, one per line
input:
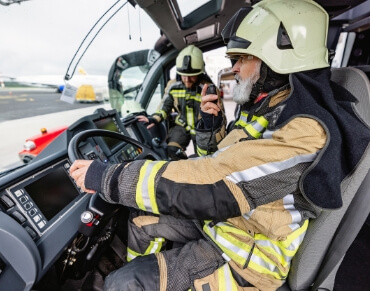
point(212, 90)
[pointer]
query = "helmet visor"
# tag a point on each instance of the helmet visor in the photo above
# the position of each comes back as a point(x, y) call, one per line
point(186, 67)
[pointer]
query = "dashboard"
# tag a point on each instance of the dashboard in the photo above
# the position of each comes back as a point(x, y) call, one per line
point(41, 206)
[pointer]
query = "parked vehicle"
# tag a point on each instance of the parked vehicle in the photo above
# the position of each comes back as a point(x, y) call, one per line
point(35, 144)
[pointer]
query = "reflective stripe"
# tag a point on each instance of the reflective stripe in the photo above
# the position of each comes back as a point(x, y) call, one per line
point(190, 116)
point(255, 127)
point(131, 255)
point(197, 97)
point(145, 192)
point(267, 134)
point(288, 202)
point(269, 168)
point(162, 113)
point(236, 253)
point(242, 121)
point(265, 256)
point(248, 215)
point(153, 248)
point(226, 281)
point(201, 152)
point(178, 93)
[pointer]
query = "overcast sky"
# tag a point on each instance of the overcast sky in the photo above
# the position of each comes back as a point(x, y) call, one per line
point(40, 37)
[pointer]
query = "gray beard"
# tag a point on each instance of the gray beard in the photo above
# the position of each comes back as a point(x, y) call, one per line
point(242, 91)
point(243, 88)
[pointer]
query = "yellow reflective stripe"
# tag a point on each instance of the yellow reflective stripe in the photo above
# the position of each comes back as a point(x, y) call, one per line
point(241, 123)
point(139, 190)
point(226, 281)
point(154, 247)
point(260, 265)
point(178, 93)
point(162, 112)
point(282, 250)
point(197, 97)
point(190, 116)
point(201, 152)
point(178, 121)
point(131, 254)
point(242, 119)
point(239, 251)
point(235, 249)
point(252, 131)
point(145, 192)
point(255, 127)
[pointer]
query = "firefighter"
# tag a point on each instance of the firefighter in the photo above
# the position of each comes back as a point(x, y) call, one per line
point(242, 213)
point(182, 97)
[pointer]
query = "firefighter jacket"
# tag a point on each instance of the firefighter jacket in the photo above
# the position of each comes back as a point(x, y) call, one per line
point(250, 194)
point(186, 102)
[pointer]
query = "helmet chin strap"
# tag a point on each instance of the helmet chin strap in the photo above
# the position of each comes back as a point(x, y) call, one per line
point(268, 81)
point(258, 86)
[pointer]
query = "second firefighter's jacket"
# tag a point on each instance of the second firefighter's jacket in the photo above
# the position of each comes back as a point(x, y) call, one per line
point(186, 102)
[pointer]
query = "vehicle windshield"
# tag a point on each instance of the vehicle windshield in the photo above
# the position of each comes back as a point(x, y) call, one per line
point(39, 40)
point(61, 60)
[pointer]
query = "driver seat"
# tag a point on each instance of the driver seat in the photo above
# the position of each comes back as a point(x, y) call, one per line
point(328, 237)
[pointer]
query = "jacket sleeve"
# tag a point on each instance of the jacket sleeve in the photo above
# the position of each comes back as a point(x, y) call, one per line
point(236, 179)
point(207, 138)
point(166, 106)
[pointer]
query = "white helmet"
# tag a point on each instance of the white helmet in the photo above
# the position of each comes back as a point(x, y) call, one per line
point(288, 35)
point(190, 62)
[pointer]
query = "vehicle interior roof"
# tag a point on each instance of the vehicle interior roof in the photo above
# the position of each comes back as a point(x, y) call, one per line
point(203, 26)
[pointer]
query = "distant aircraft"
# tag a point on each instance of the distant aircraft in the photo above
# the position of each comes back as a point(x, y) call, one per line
point(90, 88)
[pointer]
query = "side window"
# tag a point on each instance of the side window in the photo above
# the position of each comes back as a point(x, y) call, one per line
point(126, 76)
point(156, 97)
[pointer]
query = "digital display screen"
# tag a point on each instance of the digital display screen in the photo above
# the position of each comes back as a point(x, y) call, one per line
point(108, 124)
point(52, 192)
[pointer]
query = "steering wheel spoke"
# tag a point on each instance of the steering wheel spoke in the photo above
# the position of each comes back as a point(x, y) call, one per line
point(73, 147)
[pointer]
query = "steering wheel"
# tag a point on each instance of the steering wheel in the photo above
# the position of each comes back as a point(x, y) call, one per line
point(98, 207)
point(73, 153)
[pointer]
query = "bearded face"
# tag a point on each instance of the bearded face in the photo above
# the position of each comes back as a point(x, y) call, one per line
point(243, 88)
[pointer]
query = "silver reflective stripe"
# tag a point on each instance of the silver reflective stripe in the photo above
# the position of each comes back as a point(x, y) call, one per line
point(270, 168)
point(226, 257)
point(228, 245)
point(215, 154)
point(258, 126)
point(271, 267)
point(156, 244)
point(267, 243)
point(248, 215)
point(296, 243)
point(145, 189)
point(130, 256)
point(267, 134)
point(288, 202)
point(228, 278)
point(243, 118)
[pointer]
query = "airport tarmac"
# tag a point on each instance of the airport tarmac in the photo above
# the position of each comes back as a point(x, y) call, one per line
point(13, 132)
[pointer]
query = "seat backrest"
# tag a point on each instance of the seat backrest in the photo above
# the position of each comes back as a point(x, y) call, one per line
point(307, 263)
